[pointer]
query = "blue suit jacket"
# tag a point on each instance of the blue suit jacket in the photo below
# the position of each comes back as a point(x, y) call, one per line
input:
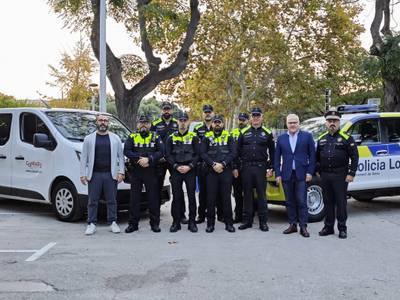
point(304, 156)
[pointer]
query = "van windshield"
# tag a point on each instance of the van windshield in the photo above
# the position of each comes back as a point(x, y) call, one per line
point(76, 125)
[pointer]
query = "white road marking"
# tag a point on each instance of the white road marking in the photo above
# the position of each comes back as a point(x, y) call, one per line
point(40, 252)
point(36, 253)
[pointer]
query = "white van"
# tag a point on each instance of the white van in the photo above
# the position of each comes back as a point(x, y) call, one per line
point(40, 153)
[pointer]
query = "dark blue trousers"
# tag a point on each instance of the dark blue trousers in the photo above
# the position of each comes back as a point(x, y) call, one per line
point(296, 200)
point(102, 182)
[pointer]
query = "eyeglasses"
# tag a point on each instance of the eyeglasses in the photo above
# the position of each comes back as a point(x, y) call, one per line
point(256, 115)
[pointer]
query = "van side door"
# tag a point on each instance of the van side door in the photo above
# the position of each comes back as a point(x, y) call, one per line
point(391, 135)
point(373, 155)
point(6, 141)
point(33, 168)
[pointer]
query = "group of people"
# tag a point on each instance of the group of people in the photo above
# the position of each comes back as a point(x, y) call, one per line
point(220, 160)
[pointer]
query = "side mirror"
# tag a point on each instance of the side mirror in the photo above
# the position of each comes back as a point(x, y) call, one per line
point(41, 140)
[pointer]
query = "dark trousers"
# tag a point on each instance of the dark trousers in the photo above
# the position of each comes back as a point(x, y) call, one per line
point(296, 200)
point(254, 176)
point(178, 200)
point(238, 194)
point(102, 182)
point(202, 179)
point(219, 185)
point(161, 172)
point(334, 190)
point(148, 177)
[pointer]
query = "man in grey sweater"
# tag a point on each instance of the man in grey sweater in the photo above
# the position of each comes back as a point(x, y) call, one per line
point(102, 168)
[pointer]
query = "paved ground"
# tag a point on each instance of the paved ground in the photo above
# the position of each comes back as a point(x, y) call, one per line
point(242, 265)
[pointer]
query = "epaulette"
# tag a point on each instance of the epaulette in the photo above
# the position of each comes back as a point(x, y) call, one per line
point(245, 129)
point(267, 129)
point(322, 135)
point(155, 122)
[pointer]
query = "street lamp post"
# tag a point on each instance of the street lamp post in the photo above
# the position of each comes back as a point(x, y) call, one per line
point(102, 94)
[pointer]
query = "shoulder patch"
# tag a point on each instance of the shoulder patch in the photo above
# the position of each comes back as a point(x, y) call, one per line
point(267, 129)
point(322, 135)
point(155, 122)
point(245, 129)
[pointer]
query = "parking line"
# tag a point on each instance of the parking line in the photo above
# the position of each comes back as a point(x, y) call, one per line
point(40, 252)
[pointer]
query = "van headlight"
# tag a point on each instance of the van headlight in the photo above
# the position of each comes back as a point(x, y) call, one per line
point(78, 154)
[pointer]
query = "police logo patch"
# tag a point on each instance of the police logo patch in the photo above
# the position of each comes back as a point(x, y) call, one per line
point(262, 133)
point(339, 139)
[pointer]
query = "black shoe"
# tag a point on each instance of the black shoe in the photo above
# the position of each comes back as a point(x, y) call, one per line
point(326, 231)
point(304, 232)
point(229, 228)
point(210, 228)
point(192, 227)
point(291, 229)
point(245, 226)
point(342, 234)
point(200, 220)
point(184, 220)
point(264, 227)
point(175, 227)
point(155, 228)
point(131, 228)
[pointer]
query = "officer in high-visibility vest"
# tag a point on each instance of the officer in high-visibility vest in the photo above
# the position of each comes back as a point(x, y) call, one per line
point(218, 151)
point(201, 129)
point(337, 161)
point(144, 149)
point(256, 150)
point(182, 153)
point(164, 127)
point(243, 120)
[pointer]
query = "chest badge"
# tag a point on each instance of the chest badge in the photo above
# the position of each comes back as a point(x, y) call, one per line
point(339, 139)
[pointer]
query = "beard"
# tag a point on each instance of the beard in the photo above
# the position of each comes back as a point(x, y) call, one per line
point(166, 116)
point(143, 131)
point(218, 129)
point(102, 128)
point(242, 125)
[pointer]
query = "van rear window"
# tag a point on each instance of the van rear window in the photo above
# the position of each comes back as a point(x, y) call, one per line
point(5, 128)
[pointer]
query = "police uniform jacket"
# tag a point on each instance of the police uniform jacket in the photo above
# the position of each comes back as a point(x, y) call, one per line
point(182, 149)
point(149, 145)
point(218, 148)
point(163, 129)
point(335, 151)
point(256, 146)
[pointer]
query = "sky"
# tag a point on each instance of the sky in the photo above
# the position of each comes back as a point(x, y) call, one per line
point(32, 37)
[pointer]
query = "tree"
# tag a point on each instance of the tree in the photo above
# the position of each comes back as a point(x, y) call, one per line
point(73, 76)
point(7, 101)
point(386, 46)
point(280, 55)
point(157, 23)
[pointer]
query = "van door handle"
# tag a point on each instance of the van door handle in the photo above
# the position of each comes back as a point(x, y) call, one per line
point(19, 157)
point(382, 152)
point(2, 156)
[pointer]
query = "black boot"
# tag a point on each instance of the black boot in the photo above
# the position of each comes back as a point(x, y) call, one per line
point(175, 227)
point(192, 227)
point(229, 228)
point(245, 226)
point(155, 228)
point(131, 228)
point(210, 228)
point(264, 226)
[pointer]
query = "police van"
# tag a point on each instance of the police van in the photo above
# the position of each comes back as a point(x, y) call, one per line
point(40, 156)
point(377, 136)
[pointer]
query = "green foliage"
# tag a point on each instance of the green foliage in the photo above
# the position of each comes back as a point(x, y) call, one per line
point(7, 101)
point(74, 75)
point(390, 60)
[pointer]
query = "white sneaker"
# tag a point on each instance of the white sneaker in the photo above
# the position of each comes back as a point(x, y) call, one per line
point(114, 227)
point(90, 229)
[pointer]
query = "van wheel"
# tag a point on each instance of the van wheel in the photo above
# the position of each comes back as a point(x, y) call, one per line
point(66, 203)
point(315, 201)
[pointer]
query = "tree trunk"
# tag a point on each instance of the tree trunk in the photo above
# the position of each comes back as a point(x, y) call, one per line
point(392, 94)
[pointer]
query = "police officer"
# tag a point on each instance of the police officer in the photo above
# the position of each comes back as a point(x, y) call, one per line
point(164, 127)
point(243, 120)
point(182, 152)
point(218, 152)
point(256, 150)
point(144, 149)
point(201, 129)
point(337, 160)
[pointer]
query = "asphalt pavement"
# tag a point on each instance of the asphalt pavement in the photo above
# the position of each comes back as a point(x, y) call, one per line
point(42, 258)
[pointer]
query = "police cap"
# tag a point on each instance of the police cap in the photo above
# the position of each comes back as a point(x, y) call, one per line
point(217, 118)
point(183, 116)
point(332, 114)
point(166, 105)
point(256, 111)
point(144, 118)
point(207, 108)
point(243, 116)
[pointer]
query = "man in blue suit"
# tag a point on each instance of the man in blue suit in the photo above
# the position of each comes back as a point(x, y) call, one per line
point(294, 166)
